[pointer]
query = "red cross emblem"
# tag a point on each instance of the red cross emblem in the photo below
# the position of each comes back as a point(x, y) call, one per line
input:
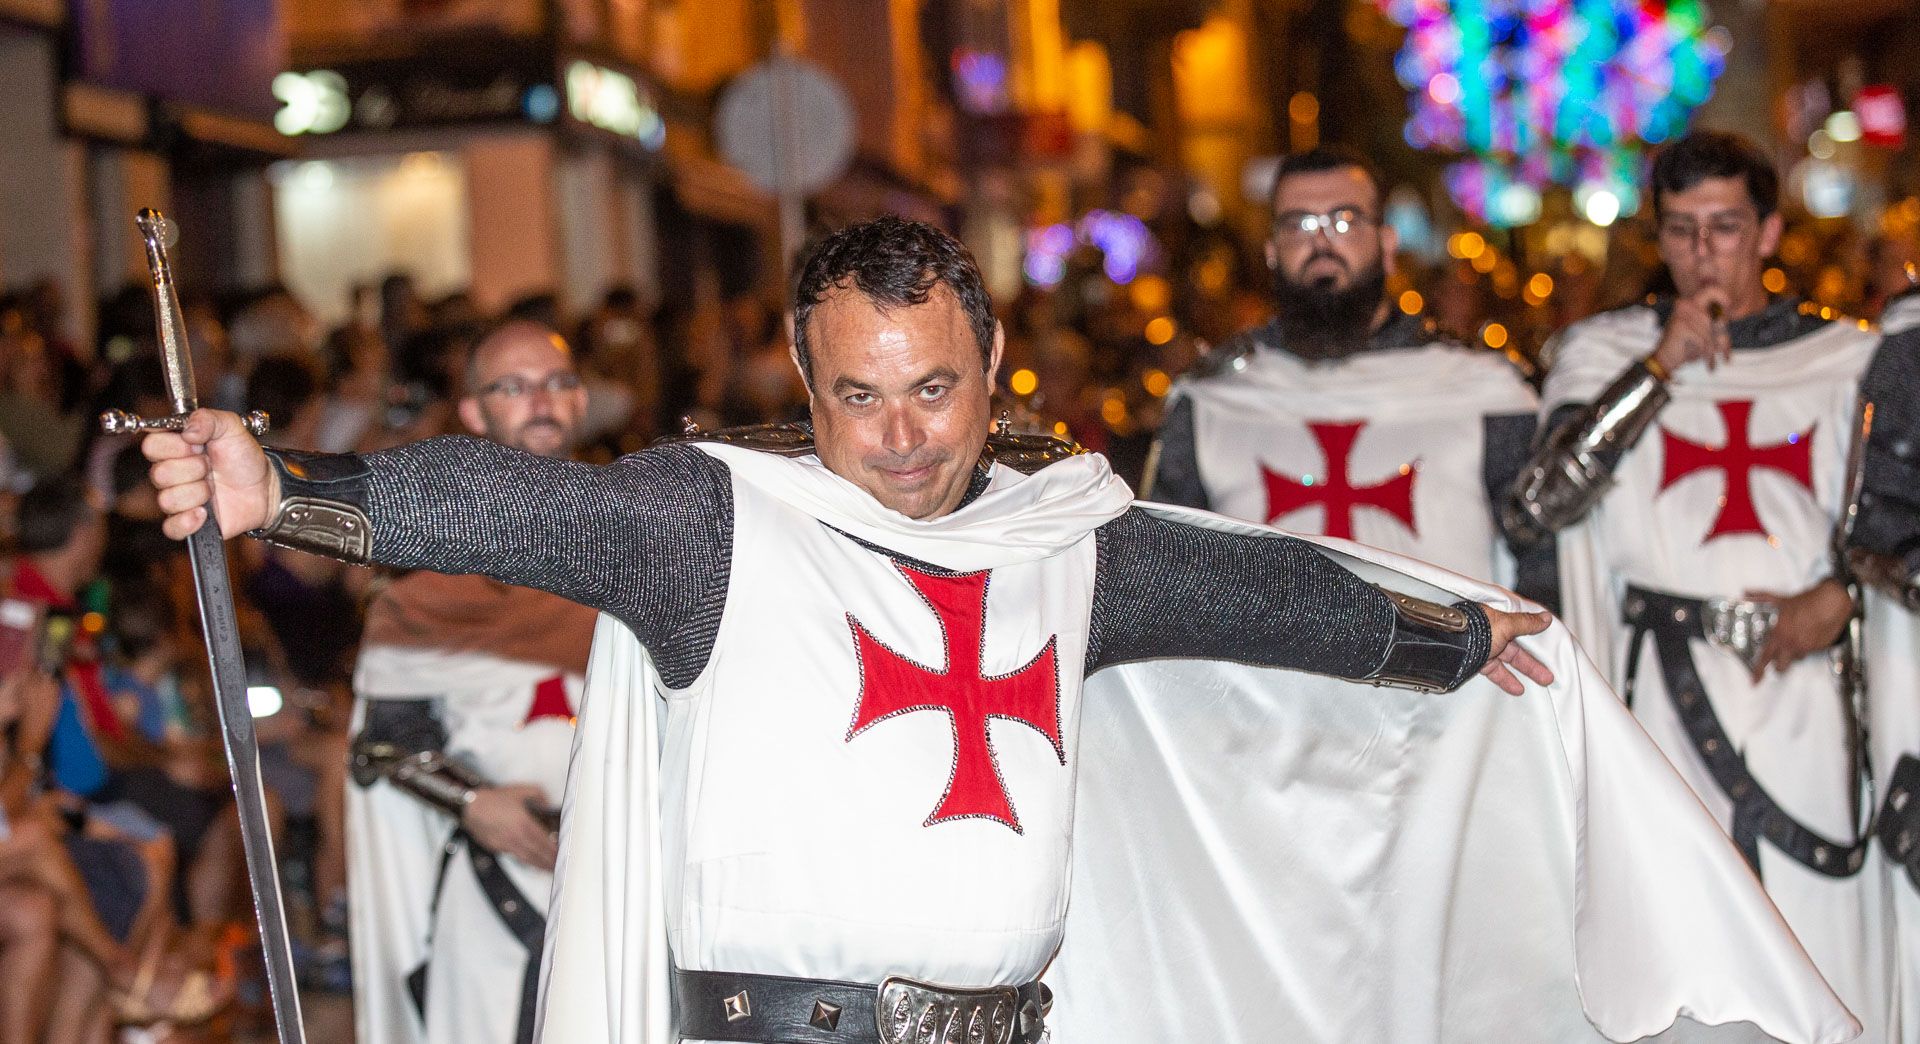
point(891, 684)
point(1335, 491)
point(1738, 458)
point(549, 701)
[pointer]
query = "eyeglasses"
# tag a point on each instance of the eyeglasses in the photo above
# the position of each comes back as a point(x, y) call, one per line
point(1342, 222)
point(1723, 234)
point(515, 387)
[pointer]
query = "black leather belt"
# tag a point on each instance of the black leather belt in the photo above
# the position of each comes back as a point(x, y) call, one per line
point(1672, 621)
point(775, 1009)
point(1900, 817)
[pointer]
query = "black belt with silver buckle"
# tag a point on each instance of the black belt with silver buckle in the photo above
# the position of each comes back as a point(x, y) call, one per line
point(1673, 620)
point(776, 1009)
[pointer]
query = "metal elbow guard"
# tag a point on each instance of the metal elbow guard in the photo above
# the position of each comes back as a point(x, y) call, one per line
point(429, 775)
point(1567, 477)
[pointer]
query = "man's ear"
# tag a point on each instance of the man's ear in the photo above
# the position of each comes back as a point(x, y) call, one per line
point(793, 356)
point(470, 415)
point(993, 358)
point(1389, 248)
point(1770, 229)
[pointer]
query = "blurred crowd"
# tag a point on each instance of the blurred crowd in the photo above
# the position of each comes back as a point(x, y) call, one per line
point(123, 895)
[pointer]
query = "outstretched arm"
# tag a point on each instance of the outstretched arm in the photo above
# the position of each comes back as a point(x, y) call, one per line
point(644, 538)
point(1166, 589)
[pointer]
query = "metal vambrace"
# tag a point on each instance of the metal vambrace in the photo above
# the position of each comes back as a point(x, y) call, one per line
point(1887, 574)
point(429, 775)
point(320, 506)
point(1574, 467)
point(1435, 647)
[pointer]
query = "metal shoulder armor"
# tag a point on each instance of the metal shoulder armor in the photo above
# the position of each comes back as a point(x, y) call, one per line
point(1228, 357)
point(1026, 453)
point(1574, 466)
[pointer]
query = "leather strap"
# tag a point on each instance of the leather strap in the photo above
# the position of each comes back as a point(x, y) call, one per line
point(1673, 621)
point(776, 1009)
point(1900, 817)
point(529, 928)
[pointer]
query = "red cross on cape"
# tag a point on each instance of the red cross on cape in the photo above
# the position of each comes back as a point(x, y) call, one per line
point(891, 684)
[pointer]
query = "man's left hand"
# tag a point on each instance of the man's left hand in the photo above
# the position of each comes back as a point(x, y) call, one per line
point(1809, 622)
point(1505, 657)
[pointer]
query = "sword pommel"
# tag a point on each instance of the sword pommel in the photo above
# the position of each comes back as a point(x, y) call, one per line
point(155, 225)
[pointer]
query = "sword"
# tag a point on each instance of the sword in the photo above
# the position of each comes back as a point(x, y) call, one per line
point(1852, 663)
point(222, 630)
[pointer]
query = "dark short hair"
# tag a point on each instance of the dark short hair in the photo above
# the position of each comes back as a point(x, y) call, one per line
point(894, 263)
point(1319, 160)
point(1712, 154)
point(50, 512)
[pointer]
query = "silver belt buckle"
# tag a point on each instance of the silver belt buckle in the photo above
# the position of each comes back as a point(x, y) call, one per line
point(1740, 627)
point(911, 1012)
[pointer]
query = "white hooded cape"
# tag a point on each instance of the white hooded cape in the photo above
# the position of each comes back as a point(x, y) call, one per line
point(1316, 860)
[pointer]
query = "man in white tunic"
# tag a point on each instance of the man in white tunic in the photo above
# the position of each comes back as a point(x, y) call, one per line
point(1696, 469)
point(824, 778)
point(467, 689)
point(1343, 415)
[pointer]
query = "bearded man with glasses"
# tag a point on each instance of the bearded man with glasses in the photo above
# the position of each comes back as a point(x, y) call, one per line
point(1717, 524)
point(467, 689)
point(1346, 416)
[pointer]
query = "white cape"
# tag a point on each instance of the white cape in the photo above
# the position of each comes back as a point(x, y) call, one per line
point(1607, 870)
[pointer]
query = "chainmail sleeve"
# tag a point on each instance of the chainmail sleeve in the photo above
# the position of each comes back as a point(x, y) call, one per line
point(1165, 589)
point(645, 539)
point(1889, 519)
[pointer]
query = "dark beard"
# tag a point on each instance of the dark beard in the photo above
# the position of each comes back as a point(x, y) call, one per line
point(1320, 322)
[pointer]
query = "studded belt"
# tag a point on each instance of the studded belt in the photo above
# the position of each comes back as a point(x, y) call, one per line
point(1672, 621)
point(1900, 817)
point(775, 1009)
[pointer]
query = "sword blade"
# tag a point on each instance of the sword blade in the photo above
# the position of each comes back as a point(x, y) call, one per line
point(218, 623)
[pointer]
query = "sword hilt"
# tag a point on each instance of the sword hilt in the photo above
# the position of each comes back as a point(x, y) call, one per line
point(120, 422)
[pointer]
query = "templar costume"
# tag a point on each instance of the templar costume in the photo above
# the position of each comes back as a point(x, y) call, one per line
point(1885, 555)
point(1675, 501)
point(463, 682)
point(1408, 444)
point(824, 776)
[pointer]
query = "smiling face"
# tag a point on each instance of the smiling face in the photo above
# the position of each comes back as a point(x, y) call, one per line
point(900, 399)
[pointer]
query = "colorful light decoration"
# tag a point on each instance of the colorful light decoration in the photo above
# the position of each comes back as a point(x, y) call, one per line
point(1124, 242)
point(1535, 93)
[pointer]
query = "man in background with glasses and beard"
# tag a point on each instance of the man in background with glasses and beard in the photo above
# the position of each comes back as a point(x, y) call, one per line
point(467, 689)
point(1345, 417)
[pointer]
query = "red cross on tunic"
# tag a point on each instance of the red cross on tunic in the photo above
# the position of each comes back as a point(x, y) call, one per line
point(1738, 459)
point(891, 684)
point(549, 701)
point(1335, 491)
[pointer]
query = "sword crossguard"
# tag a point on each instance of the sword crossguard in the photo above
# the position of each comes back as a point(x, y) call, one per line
point(121, 422)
